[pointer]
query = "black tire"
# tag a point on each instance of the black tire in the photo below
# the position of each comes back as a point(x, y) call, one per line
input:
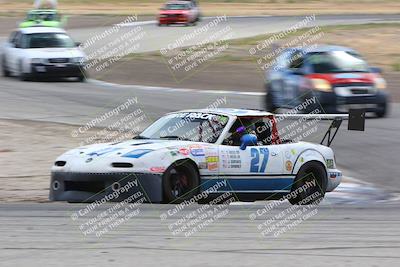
point(309, 172)
point(269, 102)
point(23, 76)
point(82, 78)
point(6, 72)
point(382, 112)
point(180, 182)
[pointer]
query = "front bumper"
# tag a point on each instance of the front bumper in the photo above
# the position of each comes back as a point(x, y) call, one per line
point(333, 103)
point(173, 19)
point(60, 70)
point(114, 187)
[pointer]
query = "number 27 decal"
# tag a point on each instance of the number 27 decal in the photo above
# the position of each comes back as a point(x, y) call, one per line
point(255, 165)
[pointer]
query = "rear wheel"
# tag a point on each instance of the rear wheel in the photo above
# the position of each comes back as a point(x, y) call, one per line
point(310, 185)
point(180, 182)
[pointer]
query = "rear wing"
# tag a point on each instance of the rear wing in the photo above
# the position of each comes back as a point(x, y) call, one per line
point(356, 118)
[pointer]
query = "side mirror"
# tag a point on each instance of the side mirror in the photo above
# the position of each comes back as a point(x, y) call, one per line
point(376, 70)
point(248, 140)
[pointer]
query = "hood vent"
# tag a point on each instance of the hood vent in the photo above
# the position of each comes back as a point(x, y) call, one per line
point(60, 163)
point(122, 165)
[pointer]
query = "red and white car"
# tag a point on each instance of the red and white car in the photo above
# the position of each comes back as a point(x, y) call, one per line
point(179, 12)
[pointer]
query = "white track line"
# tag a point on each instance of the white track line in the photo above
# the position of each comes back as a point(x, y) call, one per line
point(172, 89)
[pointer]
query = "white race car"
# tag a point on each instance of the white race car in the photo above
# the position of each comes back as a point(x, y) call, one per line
point(189, 152)
point(36, 52)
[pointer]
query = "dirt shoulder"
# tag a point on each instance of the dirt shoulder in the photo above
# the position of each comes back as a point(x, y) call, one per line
point(216, 7)
point(236, 69)
point(27, 152)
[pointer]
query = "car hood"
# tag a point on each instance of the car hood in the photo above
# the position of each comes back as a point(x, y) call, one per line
point(54, 52)
point(127, 149)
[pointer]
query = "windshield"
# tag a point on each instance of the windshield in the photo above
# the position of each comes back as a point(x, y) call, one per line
point(176, 6)
point(191, 126)
point(337, 61)
point(49, 40)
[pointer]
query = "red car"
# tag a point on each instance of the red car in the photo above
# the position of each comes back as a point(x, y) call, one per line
point(179, 12)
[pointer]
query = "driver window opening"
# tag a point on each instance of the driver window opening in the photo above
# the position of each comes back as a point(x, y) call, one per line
point(261, 127)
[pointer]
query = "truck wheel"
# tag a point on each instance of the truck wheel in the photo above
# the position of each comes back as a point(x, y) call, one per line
point(382, 112)
point(309, 186)
point(269, 102)
point(6, 72)
point(180, 182)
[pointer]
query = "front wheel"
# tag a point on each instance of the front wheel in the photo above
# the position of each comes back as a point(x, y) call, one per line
point(180, 182)
point(6, 72)
point(309, 187)
point(382, 112)
point(269, 100)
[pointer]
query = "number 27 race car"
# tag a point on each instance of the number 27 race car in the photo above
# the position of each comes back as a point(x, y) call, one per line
point(188, 153)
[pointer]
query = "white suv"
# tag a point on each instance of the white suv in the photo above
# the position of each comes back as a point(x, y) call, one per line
point(42, 52)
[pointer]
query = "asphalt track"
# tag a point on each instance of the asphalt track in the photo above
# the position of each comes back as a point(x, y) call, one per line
point(239, 27)
point(365, 234)
point(45, 235)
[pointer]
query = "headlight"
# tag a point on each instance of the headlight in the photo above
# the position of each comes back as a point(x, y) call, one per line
point(36, 60)
point(321, 85)
point(380, 83)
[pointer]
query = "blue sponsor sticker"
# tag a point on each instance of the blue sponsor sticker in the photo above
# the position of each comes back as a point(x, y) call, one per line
point(137, 153)
point(103, 151)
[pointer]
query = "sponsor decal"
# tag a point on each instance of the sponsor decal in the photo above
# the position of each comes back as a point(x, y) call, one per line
point(103, 151)
point(212, 166)
point(157, 169)
point(289, 165)
point(287, 154)
point(231, 159)
point(203, 165)
point(197, 151)
point(329, 163)
point(293, 151)
point(184, 151)
point(212, 163)
point(301, 159)
point(137, 153)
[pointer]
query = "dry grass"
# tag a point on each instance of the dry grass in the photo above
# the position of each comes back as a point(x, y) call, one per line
point(229, 7)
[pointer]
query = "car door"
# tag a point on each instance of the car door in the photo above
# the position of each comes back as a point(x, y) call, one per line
point(14, 52)
point(256, 168)
point(292, 79)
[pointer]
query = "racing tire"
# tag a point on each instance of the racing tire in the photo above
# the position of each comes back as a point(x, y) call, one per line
point(382, 112)
point(304, 190)
point(180, 182)
point(6, 72)
point(23, 76)
point(269, 103)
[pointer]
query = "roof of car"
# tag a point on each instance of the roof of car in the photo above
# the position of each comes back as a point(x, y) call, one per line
point(231, 112)
point(326, 48)
point(30, 30)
